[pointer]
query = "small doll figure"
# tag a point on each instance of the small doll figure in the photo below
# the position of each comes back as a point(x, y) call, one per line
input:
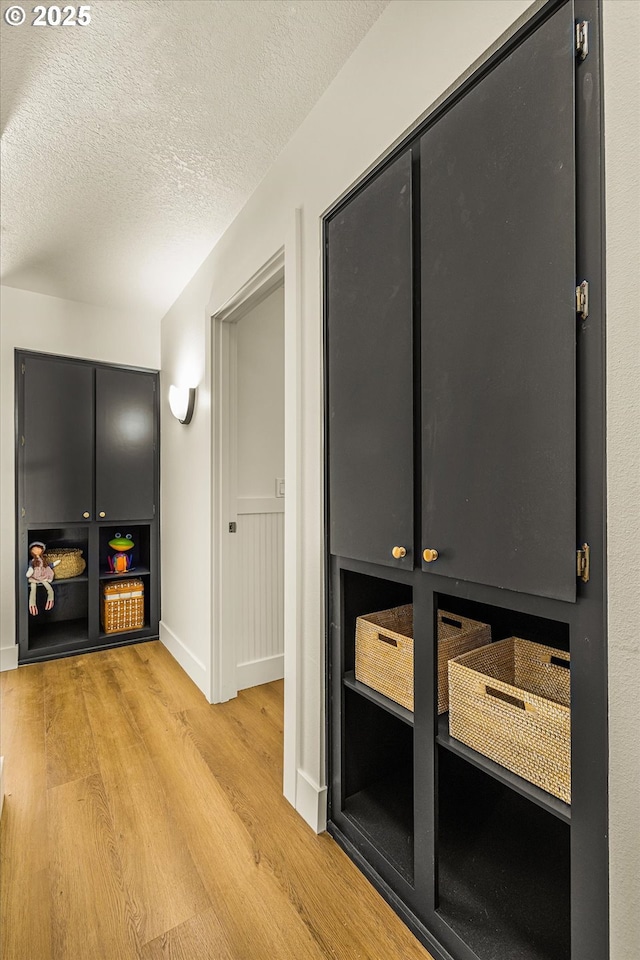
point(40, 572)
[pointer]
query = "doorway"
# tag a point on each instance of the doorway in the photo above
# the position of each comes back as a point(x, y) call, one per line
point(251, 484)
point(256, 542)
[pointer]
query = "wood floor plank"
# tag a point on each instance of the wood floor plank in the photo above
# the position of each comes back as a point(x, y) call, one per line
point(70, 749)
point(91, 911)
point(178, 692)
point(179, 846)
point(201, 938)
point(311, 870)
point(158, 869)
point(259, 923)
point(24, 864)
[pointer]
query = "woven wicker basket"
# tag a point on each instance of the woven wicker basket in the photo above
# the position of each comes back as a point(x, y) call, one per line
point(71, 564)
point(456, 635)
point(122, 606)
point(384, 651)
point(510, 701)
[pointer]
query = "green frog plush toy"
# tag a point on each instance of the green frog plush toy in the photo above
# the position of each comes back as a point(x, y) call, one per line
point(120, 562)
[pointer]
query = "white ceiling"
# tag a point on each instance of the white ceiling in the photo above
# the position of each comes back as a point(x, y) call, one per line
point(130, 144)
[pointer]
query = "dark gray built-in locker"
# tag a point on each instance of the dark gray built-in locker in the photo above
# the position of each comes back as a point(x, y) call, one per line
point(465, 477)
point(87, 473)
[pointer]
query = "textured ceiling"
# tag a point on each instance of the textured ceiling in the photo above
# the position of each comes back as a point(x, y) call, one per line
point(130, 144)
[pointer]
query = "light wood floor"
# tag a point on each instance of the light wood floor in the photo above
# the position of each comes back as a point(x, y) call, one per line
point(140, 823)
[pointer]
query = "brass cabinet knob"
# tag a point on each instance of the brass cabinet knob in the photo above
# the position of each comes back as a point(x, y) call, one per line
point(429, 555)
point(102, 513)
point(86, 515)
point(399, 552)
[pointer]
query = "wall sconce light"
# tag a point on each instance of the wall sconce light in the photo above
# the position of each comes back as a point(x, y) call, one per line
point(182, 400)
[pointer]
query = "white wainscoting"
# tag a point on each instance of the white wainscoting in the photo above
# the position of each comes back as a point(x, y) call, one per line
point(259, 591)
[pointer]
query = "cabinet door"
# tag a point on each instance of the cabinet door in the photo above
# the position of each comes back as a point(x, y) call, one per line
point(370, 370)
point(57, 426)
point(125, 444)
point(499, 324)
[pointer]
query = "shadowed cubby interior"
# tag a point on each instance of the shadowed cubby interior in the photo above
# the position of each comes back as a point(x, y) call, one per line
point(503, 867)
point(140, 556)
point(378, 779)
point(509, 623)
point(363, 594)
point(69, 617)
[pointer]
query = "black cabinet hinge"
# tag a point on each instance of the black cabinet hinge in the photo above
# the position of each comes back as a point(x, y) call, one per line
point(582, 39)
point(23, 368)
point(582, 562)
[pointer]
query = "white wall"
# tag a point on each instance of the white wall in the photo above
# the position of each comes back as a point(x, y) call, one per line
point(33, 321)
point(413, 53)
point(622, 147)
point(260, 410)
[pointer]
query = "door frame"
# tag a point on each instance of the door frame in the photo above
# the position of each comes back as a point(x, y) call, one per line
point(284, 265)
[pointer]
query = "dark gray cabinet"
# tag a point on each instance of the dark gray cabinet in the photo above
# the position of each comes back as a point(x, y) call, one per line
point(370, 370)
point(125, 444)
point(498, 306)
point(499, 444)
point(87, 470)
point(57, 430)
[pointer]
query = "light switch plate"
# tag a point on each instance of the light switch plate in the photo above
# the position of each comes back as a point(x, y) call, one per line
point(279, 487)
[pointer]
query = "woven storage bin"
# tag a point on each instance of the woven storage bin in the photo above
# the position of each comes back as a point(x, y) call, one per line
point(510, 701)
point(384, 651)
point(122, 606)
point(456, 635)
point(71, 564)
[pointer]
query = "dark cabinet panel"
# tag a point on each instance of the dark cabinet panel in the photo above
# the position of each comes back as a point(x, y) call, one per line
point(125, 444)
point(370, 370)
point(57, 426)
point(499, 324)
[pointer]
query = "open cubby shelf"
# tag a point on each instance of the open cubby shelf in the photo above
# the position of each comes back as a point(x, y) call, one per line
point(135, 572)
point(529, 790)
point(379, 699)
point(140, 552)
point(383, 812)
point(378, 779)
point(363, 594)
point(503, 865)
point(48, 634)
point(507, 622)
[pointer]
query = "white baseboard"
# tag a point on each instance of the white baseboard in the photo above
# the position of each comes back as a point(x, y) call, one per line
point(9, 658)
point(191, 665)
point(255, 672)
point(311, 802)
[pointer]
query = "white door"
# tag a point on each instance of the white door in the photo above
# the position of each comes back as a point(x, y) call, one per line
point(254, 555)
